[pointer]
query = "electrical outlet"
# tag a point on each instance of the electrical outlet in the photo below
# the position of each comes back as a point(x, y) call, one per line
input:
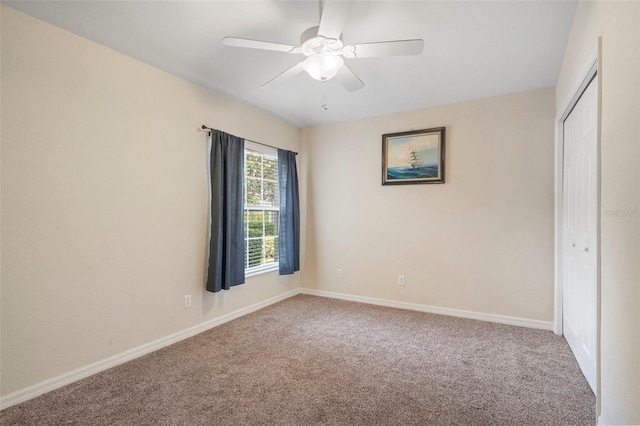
point(187, 301)
point(400, 279)
point(339, 273)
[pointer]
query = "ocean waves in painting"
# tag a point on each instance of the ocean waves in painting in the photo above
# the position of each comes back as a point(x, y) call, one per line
point(399, 173)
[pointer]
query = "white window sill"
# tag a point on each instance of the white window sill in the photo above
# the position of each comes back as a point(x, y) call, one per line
point(260, 271)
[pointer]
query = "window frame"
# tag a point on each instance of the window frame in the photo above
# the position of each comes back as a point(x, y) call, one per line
point(266, 152)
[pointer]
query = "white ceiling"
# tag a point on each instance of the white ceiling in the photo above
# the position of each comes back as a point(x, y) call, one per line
point(472, 50)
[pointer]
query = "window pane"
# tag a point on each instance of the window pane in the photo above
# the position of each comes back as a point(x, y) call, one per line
point(270, 249)
point(255, 224)
point(270, 223)
point(254, 192)
point(270, 168)
point(275, 244)
point(270, 196)
point(253, 164)
point(254, 256)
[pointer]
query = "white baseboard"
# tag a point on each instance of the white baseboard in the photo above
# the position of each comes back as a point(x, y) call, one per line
point(602, 421)
point(80, 373)
point(502, 319)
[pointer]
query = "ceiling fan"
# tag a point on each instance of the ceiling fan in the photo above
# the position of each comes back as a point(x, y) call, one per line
point(324, 48)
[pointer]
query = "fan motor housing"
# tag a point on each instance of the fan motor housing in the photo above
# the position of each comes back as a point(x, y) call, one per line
point(313, 44)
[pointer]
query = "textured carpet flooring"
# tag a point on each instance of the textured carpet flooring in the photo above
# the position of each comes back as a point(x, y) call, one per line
point(311, 360)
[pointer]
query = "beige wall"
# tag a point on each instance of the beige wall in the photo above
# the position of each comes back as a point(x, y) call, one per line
point(481, 242)
point(618, 23)
point(104, 202)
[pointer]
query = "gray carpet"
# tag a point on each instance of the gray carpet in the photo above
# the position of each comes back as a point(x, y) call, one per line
point(311, 360)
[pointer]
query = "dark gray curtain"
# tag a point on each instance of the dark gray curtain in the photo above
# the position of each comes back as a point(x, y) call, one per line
point(289, 229)
point(226, 245)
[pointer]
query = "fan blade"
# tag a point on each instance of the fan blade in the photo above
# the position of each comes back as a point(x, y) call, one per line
point(384, 48)
point(334, 17)
point(348, 79)
point(257, 44)
point(284, 77)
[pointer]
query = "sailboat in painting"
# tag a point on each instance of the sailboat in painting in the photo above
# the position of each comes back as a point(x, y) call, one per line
point(414, 158)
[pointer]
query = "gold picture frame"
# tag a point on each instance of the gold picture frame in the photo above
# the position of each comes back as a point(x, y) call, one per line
point(413, 157)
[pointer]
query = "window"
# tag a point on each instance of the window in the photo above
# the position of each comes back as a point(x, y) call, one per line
point(261, 208)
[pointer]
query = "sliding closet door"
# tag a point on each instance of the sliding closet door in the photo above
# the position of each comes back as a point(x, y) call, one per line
point(580, 231)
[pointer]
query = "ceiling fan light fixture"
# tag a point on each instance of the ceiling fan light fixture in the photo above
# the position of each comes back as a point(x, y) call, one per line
point(324, 48)
point(323, 67)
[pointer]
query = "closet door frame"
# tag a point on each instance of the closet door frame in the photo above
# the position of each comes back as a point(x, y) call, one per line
point(593, 69)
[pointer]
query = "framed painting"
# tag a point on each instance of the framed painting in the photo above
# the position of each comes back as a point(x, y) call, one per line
point(413, 157)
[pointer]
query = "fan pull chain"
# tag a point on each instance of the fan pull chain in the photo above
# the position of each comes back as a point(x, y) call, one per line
point(324, 95)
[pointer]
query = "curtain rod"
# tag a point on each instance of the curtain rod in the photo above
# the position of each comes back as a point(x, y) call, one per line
point(259, 143)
